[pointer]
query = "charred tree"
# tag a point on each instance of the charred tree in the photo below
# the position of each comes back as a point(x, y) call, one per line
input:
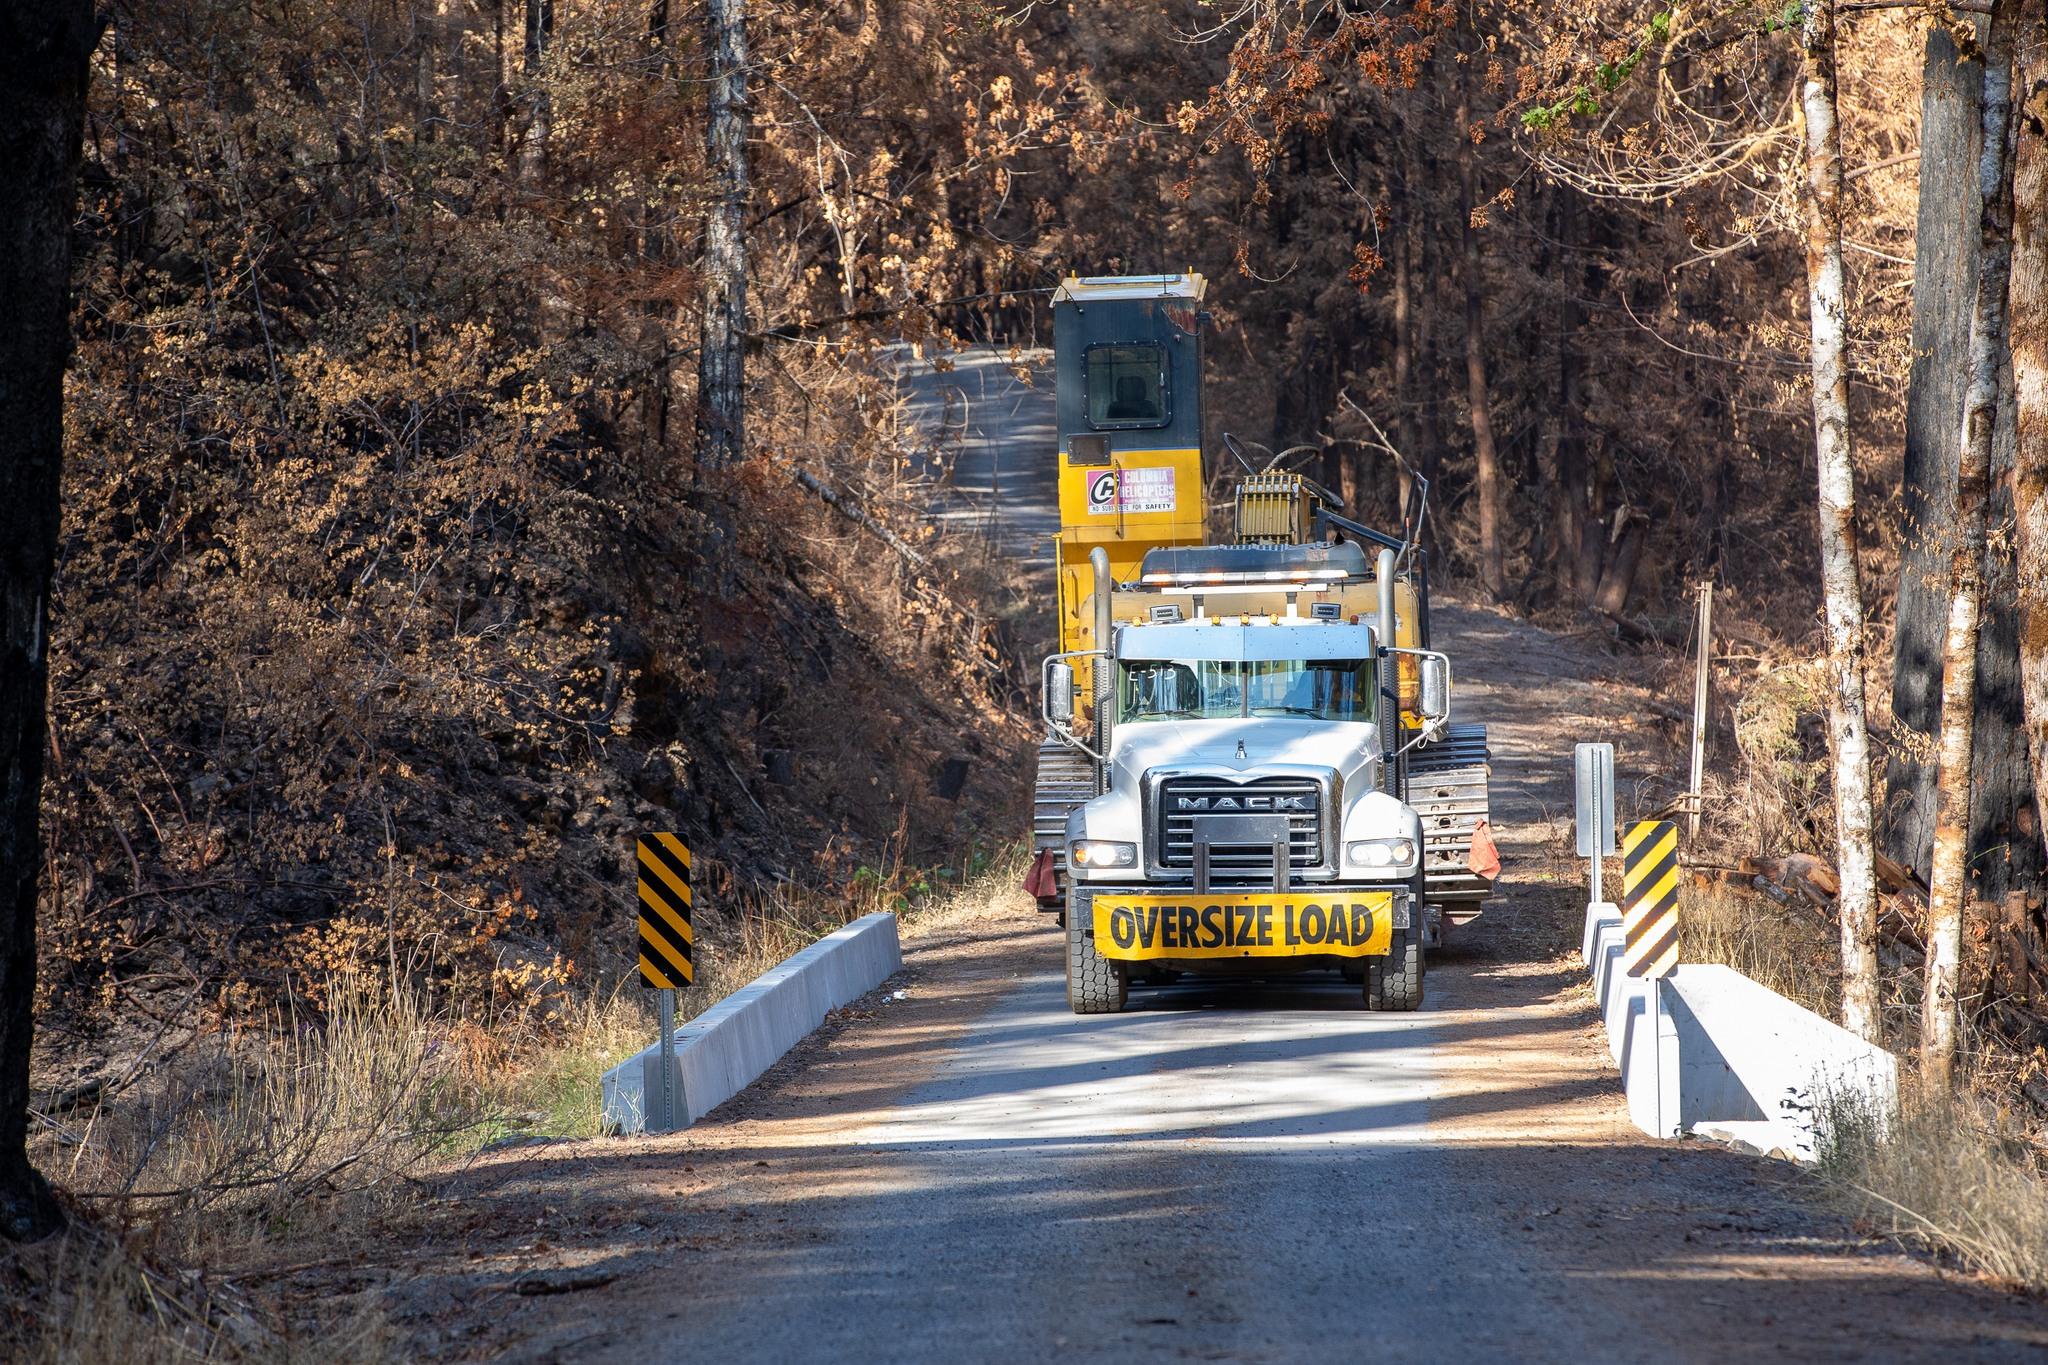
point(721, 361)
point(44, 52)
point(1842, 589)
point(1485, 453)
point(2029, 325)
point(2006, 853)
point(1948, 880)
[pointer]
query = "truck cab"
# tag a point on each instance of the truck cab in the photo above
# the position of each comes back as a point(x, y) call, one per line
point(1247, 820)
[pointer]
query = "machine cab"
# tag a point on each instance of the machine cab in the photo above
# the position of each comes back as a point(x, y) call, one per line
point(1127, 366)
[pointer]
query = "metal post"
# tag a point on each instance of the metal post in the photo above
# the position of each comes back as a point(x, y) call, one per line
point(1657, 1050)
point(1593, 802)
point(1699, 707)
point(665, 1005)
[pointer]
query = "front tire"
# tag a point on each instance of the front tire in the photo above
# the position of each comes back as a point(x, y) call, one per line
point(1095, 985)
point(1394, 982)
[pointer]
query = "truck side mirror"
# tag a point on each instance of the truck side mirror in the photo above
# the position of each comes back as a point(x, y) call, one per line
point(1436, 687)
point(1059, 693)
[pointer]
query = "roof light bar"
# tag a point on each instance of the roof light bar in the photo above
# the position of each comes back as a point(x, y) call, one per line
point(1198, 578)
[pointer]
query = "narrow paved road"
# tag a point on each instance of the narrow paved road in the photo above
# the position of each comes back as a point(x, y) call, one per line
point(961, 1170)
point(981, 422)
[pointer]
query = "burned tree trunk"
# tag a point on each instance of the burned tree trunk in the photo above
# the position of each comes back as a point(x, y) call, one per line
point(2005, 847)
point(1842, 589)
point(721, 363)
point(1948, 881)
point(44, 50)
point(2029, 325)
point(1571, 511)
point(1623, 557)
point(1485, 455)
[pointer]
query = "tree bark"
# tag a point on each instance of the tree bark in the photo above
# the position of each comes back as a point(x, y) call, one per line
point(1404, 369)
point(539, 28)
point(2006, 853)
point(1948, 881)
point(721, 361)
point(44, 54)
point(1572, 514)
point(1486, 457)
point(2029, 326)
point(1842, 589)
point(1624, 556)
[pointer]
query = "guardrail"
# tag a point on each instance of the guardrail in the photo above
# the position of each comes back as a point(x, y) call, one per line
point(723, 1050)
point(1706, 1050)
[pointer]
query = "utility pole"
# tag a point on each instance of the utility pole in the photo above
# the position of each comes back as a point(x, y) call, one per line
point(721, 360)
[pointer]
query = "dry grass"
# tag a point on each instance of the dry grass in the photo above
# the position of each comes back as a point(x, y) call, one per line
point(261, 1136)
point(1947, 1173)
point(321, 1126)
point(96, 1301)
point(1778, 946)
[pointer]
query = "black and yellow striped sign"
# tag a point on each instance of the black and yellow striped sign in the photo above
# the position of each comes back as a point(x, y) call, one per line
point(1649, 898)
point(665, 936)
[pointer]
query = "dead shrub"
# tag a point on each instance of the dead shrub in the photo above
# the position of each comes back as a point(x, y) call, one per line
point(1779, 946)
point(1787, 801)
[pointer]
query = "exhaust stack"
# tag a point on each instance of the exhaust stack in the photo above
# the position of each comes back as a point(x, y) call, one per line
point(1105, 671)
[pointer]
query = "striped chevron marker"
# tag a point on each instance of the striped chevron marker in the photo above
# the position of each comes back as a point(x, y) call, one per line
point(666, 939)
point(1649, 905)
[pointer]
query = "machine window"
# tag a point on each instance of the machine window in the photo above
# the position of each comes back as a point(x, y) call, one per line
point(1127, 385)
point(1323, 689)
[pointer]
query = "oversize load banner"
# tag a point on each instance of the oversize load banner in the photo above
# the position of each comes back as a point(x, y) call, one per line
point(1142, 928)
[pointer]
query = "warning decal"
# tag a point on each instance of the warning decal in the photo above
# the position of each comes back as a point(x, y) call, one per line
point(1111, 491)
point(1143, 928)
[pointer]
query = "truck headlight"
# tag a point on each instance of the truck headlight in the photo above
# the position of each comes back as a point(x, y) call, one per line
point(1380, 853)
point(1103, 853)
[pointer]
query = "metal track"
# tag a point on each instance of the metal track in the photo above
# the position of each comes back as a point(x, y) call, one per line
point(1447, 787)
point(1067, 778)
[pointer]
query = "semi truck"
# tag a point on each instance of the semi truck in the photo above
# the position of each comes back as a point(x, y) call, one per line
point(1249, 764)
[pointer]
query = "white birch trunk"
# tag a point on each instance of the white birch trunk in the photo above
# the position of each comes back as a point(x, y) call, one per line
point(1841, 586)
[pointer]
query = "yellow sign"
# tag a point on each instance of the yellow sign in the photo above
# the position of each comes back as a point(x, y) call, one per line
point(1221, 926)
point(667, 942)
point(1649, 903)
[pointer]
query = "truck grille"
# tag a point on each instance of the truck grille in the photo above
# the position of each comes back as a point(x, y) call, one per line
point(1226, 862)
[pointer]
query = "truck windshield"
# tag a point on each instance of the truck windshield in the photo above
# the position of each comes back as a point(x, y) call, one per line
point(1208, 689)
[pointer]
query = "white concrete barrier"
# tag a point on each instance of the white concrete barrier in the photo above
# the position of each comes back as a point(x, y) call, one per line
point(721, 1052)
point(1735, 1058)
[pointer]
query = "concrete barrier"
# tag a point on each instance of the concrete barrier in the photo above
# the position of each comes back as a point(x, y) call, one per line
point(722, 1051)
point(1735, 1059)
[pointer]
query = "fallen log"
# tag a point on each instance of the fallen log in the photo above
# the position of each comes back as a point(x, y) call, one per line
point(857, 515)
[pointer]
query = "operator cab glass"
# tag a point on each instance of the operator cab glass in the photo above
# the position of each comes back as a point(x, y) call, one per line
point(1220, 689)
point(1127, 385)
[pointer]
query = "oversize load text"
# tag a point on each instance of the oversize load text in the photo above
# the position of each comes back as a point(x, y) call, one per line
point(1132, 929)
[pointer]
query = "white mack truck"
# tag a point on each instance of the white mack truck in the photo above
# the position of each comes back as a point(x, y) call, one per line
point(1249, 766)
